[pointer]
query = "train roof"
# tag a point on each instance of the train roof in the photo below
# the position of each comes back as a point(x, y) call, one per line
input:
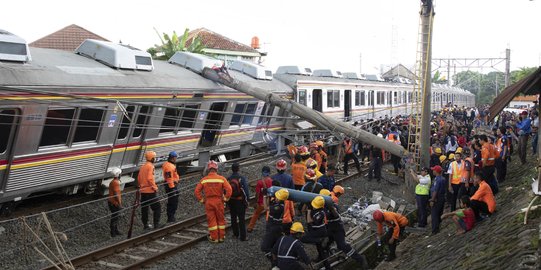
point(51, 67)
point(292, 80)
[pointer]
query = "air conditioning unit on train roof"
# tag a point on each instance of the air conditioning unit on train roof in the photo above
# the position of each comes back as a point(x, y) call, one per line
point(374, 77)
point(195, 62)
point(251, 69)
point(13, 48)
point(294, 70)
point(116, 55)
point(327, 73)
point(352, 75)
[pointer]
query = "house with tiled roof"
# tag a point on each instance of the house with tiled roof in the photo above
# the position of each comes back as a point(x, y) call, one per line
point(523, 102)
point(67, 38)
point(399, 71)
point(223, 47)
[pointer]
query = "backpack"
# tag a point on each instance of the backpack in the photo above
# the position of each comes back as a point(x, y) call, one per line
point(236, 186)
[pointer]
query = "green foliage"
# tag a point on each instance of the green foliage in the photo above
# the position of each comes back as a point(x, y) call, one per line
point(174, 43)
point(517, 75)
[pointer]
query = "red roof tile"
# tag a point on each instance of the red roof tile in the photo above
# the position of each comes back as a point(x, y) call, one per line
point(213, 40)
point(67, 38)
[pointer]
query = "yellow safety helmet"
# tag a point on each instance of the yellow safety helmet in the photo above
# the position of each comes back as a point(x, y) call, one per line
point(443, 158)
point(318, 202)
point(459, 150)
point(297, 227)
point(325, 192)
point(438, 150)
point(282, 194)
point(451, 156)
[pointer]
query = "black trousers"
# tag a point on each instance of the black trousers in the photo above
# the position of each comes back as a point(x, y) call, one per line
point(479, 207)
point(501, 169)
point(114, 217)
point(337, 234)
point(347, 157)
point(455, 195)
point(172, 202)
point(272, 234)
point(437, 211)
point(375, 168)
point(388, 236)
point(237, 210)
point(316, 237)
point(488, 175)
point(522, 147)
point(150, 200)
point(422, 209)
point(395, 160)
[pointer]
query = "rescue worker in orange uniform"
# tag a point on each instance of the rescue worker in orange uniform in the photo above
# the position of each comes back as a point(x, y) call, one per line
point(148, 188)
point(292, 151)
point(323, 155)
point(488, 157)
point(348, 151)
point(457, 177)
point(217, 191)
point(115, 201)
point(172, 178)
point(298, 170)
point(396, 224)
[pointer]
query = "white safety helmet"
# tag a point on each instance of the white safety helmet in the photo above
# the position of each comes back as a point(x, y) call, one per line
point(116, 171)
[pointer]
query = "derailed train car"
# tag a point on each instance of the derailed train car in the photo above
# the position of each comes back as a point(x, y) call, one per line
point(67, 118)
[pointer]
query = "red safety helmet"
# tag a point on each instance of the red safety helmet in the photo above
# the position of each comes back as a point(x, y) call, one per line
point(313, 145)
point(281, 164)
point(212, 165)
point(303, 150)
point(378, 215)
point(311, 163)
point(310, 174)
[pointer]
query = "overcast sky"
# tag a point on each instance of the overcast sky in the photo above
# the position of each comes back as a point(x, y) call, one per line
point(316, 33)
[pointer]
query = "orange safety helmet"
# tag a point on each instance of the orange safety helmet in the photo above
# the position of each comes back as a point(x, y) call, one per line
point(378, 215)
point(310, 174)
point(149, 155)
point(313, 145)
point(212, 165)
point(338, 190)
point(320, 143)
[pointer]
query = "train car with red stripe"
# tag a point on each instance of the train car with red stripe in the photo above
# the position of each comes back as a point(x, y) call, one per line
point(67, 118)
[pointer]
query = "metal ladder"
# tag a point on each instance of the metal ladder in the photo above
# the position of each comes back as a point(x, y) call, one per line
point(418, 96)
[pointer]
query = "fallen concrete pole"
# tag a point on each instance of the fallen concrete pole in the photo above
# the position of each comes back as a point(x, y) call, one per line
point(299, 196)
point(312, 116)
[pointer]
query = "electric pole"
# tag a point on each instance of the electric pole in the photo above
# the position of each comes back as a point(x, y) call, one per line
point(427, 13)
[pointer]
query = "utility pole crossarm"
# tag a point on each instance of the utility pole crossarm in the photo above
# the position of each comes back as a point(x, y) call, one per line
point(312, 116)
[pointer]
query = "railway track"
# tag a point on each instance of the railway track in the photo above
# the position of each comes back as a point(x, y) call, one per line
point(155, 245)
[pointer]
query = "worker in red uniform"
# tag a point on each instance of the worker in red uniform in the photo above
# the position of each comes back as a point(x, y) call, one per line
point(396, 224)
point(115, 201)
point(260, 194)
point(172, 178)
point(217, 191)
point(148, 188)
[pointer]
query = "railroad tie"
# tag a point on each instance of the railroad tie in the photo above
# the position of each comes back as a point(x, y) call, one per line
point(108, 264)
point(180, 236)
point(196, 231)
point(149, 249)
point(133, 257)
point(165, 243)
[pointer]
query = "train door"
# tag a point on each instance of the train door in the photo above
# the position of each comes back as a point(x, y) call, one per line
point(8, 129)
point(317, 100)
point(347, 104)
point(132, 133)
point(213, 124)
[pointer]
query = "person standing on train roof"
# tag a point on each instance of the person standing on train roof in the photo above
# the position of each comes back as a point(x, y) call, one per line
point(281, 176)
point(260, 194)
point(148, 188)
point(238, 203)
point(298, 170)
point(347, 145)
point(115, 201)
point(172, 178)
point(217, 191)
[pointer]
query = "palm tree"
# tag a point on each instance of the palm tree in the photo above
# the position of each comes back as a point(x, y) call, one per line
point(174, 43)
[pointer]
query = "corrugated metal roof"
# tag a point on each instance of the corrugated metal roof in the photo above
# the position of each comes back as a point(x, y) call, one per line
point(530, 85)
point(67, 38)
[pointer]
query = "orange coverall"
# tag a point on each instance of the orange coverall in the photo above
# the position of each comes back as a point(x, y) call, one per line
point(214, 186)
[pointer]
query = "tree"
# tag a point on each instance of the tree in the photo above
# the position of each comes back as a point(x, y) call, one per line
point(517, 75)
point(173, 44)
point(437, 78)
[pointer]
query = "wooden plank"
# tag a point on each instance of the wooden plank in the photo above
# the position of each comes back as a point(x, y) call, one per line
point(108, 264)
point(401, 209)
point(180, 236)
point(133, 257)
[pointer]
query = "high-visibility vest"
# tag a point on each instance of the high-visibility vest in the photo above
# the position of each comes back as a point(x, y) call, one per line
point(457, 172)
point(423, 189)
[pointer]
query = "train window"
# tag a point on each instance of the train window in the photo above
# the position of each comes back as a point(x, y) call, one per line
point(88, 125)
point(281, 112)
point(125, 125)
point(336, 98)
point(389, 98)
point(330, 99)
point(395, 97)
point(380, 98)
point(237, 119)
point(250, 109)
point(302, 97)
point(188, 117)
point(263, 111)
point(7, 118)
point(357, 98)
point(57, 127)
point(270, 111)
point(363, 98)
point(142, 121)
point(170, 119)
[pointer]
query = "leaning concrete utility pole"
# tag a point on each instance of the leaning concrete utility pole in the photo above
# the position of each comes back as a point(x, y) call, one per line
point(427, 13)
point(312, 116)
